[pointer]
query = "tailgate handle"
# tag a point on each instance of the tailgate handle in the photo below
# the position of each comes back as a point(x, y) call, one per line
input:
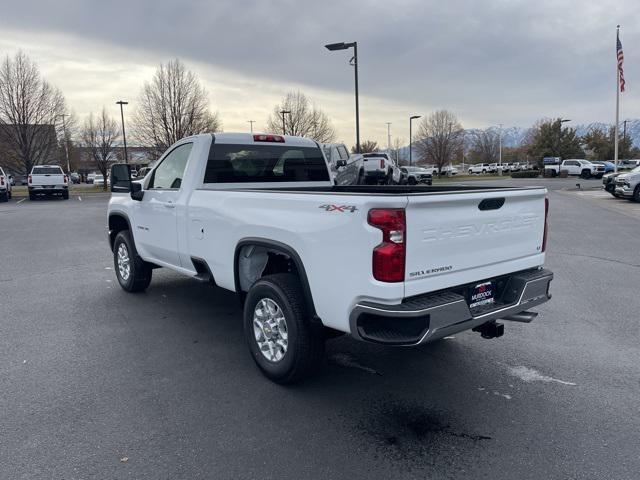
point(491, 203)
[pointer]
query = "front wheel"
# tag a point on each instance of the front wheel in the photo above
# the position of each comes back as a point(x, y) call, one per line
point(586, 174)
point(134, 274)
point(636, 194)
point(412, 181)
point(65, 195)
point(282, 341)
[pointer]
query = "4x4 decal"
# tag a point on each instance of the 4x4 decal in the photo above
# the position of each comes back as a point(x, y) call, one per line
point(339, 208)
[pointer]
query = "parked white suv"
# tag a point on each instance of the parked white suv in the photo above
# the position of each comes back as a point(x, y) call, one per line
point(259, 215)
point(5, 186)
point(479, 168)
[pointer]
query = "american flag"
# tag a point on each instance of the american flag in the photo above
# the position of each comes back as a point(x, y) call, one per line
point(620, 56)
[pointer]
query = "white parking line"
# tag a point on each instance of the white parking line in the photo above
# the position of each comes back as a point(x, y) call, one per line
point(20, 201)
point(80, 198)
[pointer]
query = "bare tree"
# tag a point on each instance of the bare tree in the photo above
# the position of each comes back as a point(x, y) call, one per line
point(172, 106)
point(366, 146)
point(485, 146)
point(440, 138)
point(304, 119)
point(398, 153)
point(29, 107)
point(99, 136)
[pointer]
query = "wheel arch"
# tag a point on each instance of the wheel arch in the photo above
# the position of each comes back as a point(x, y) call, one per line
point(117, 223)
point(275, 247)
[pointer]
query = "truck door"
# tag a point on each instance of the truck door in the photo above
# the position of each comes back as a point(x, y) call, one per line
point(156, 223)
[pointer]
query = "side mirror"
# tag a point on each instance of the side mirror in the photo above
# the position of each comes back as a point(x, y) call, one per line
point(136, 191)
point(120, 178)
point(341, 163)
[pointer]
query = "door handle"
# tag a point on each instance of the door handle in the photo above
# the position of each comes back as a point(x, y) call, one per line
point(169, 205)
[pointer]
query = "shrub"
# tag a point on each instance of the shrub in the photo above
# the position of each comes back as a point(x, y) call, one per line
point(526, 174)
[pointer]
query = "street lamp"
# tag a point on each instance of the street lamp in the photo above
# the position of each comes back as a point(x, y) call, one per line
point(124, 135)
point(66, 146)
point(354, 61)
point(411, 119)
point(389, 138)
point(562, 120)
point(251, 122)
point(283, 113)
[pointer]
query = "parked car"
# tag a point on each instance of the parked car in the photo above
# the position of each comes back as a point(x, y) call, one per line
point(74, 177)
point(628, 185)
point(416, 175)
point(378, 168)
point(48, 180)
point(628, 164)
point(258, 215)
point(5, 187)
point(579, 167)
point(608, 166)
point(609, 182)
point(479, 168)
point(337, 155)
point(98, 180)
point(449, 170)
point(91, 177)
point(12, 180)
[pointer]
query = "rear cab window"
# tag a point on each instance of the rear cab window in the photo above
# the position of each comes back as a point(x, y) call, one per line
point(46, 171)
point(248, 163)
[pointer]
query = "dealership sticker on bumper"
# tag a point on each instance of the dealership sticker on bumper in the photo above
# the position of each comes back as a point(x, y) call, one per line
point(481, 294)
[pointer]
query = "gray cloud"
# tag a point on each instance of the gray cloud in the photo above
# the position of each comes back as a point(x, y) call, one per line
point(499, 61)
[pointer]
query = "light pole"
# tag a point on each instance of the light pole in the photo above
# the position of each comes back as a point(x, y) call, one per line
point(251, 122)
point(124, 135)
point(500, 150)
point(283, 113)
point(411, 119)
point(389, 138)
point(354, 61)
point(66, 146)
point(624, 138)
point(562, 120)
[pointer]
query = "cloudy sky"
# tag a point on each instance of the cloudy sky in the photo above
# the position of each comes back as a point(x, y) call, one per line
point(491, 62)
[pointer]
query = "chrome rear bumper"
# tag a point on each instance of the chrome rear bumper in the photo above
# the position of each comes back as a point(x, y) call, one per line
point(429, 317)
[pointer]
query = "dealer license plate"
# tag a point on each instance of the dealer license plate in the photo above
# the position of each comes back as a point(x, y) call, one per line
point(481, 294)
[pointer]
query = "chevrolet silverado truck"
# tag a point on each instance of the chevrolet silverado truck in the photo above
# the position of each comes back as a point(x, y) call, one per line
point(579, 167)
point(628, 185)
point(48, 180)
point(258, 215)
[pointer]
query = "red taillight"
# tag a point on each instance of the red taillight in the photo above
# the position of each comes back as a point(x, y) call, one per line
point(66, 179)
point(268, 138)
point(546, 224)
point(1, 180)
point(389, 256)
point(381, 164)
point(29, 179)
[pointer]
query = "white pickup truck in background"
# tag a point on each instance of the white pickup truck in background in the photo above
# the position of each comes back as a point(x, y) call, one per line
point(578, 167)
point(48, 180)
point(380, 169)
point(5, 186)
point(258, 215)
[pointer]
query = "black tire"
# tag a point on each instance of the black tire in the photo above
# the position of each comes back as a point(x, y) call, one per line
point(484, 171)
point(10, 193)
point(65, 195)
point(389, 178)
point(412, 181)
point(140, 271)
point(360, 180)
point(586, 174)
point(4, 197)
point(470, 172)
point(636, 194)
point(32, 196)
point(305, 341)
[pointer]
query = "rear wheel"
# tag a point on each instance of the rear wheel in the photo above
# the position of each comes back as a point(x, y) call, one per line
point(636, 194)
point(389, 178)
point(32, 196)
point(283, 342)
point(586, 174)
point(4, 197)
point(134, 274)
point(65, 195)
point(412, 181)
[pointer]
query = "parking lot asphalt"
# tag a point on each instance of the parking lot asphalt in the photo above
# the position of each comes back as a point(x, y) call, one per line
point(98, 383)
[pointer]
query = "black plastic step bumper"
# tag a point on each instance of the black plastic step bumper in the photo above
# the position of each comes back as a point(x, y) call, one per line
point(432, 316)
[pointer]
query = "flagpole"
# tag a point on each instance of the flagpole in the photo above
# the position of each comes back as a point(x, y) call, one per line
point(615, 130)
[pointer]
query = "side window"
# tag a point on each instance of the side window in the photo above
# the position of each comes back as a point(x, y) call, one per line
point(342, 153)
point(169, 173)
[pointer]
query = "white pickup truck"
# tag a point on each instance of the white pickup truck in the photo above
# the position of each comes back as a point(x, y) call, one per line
point(48, 180)
point(259, 216)
point(5, 186)
point(579, 167)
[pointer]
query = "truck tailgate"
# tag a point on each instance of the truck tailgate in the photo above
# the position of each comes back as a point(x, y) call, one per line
point(47, 179)
point(459, 238)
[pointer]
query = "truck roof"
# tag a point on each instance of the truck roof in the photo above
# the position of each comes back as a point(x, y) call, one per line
point(248, 139)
